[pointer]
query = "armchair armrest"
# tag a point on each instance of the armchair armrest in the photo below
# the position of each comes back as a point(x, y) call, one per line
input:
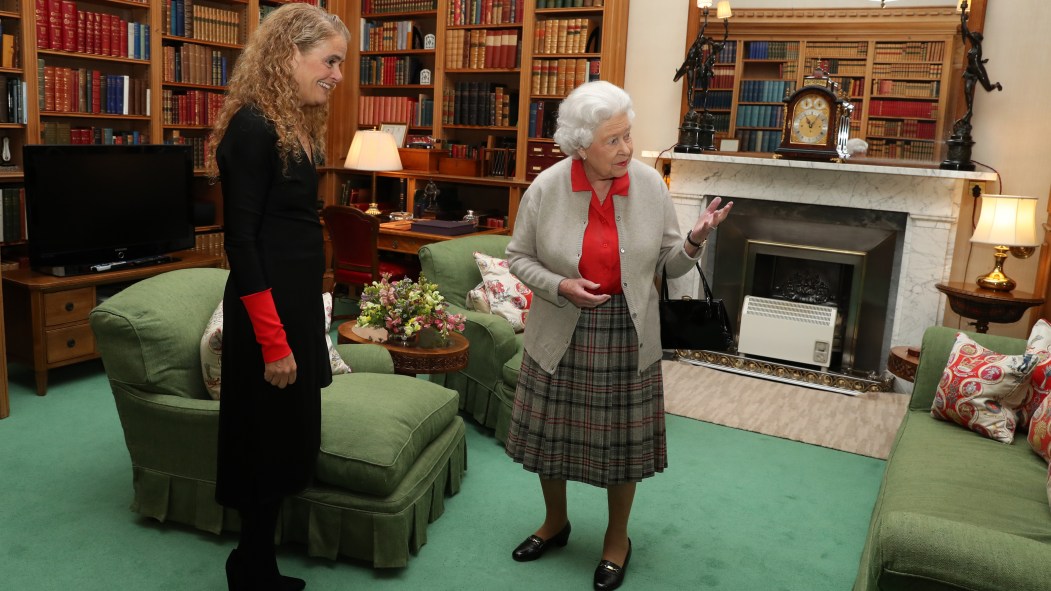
point(492, 341)
point(366, 358)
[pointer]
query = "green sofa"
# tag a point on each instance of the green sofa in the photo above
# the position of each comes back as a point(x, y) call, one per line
point(487, 385)
point(957, 511)
point(392, 446)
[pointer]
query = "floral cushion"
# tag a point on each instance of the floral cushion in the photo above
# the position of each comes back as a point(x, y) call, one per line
point(500, 292)
point(212, 348)
point(980, 389)
point(1040, 381)
point(1040, 430)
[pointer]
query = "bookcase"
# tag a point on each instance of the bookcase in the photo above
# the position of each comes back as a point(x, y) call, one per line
point(898, 67)
point(497, 73)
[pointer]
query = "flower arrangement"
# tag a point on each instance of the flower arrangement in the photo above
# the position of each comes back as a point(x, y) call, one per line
point(405, 307)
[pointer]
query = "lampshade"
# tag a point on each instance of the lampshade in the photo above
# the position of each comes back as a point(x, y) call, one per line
point(372, 149)
point(704, 3)
point(724, 11)
point(1007, 220)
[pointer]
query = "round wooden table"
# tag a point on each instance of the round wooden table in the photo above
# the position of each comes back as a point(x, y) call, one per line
point(414, 360)
point(986, 305)
point(903, 361)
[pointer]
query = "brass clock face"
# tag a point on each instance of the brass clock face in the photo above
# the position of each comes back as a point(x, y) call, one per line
point(810, 121)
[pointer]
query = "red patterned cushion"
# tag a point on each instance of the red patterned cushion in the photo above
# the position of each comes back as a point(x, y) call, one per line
point(500, 292)
point(1040, 430)
point(1039, 343)
point(980, 389)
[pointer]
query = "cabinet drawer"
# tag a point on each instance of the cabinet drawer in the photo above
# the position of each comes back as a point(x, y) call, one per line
point(62, 307)
point(69, 343)
point(404, 244)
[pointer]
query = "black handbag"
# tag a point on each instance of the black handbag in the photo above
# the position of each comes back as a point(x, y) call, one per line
point(694, 324)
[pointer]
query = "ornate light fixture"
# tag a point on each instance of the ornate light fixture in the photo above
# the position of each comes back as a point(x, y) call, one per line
point(697, 132)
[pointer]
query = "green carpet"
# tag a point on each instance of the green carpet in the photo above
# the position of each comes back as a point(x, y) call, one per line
point(735, 511)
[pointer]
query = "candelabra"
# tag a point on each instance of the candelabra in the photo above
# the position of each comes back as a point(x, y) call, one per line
point(697, 132)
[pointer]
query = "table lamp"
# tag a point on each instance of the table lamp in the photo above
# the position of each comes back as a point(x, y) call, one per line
point(1008, 222)
point(373, 150)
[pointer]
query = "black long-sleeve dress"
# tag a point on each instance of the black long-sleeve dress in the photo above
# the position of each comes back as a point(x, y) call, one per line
point(269, 437)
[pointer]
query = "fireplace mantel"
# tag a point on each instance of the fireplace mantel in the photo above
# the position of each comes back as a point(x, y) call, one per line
point(930, 196)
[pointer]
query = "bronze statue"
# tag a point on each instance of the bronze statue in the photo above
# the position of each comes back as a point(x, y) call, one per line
point(975, 73)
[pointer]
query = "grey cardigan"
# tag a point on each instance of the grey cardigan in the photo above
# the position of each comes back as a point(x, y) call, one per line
point(547, 244)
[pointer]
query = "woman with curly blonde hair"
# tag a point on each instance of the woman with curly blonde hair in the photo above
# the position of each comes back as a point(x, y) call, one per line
point(267, 142)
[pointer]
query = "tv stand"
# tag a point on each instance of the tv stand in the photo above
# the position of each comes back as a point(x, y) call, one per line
point(46, 316)
point(70, 270)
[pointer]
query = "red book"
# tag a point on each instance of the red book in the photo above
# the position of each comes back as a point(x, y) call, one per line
point(122, 29)
point(54, 23)
point(43, 32)
point(96, 33)
point(49, 88)
point(82, 31)
point(104, 34)
point(96, 91)
point(69, 25)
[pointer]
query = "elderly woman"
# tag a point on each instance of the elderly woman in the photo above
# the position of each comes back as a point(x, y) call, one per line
point(591, 233)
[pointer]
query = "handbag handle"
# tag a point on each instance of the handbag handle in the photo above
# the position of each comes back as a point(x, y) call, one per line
point(704, 282)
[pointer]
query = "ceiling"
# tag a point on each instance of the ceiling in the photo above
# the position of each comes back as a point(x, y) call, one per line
point(836, 3)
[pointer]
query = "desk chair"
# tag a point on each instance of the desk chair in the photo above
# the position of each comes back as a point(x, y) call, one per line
point(355, 257)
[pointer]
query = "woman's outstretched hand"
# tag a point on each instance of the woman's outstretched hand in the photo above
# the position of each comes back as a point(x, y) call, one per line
point(710, 219)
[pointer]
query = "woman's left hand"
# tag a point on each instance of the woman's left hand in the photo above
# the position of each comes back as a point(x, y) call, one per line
point(709, 219)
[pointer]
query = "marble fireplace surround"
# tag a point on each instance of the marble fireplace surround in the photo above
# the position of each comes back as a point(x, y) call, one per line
point(930, 197)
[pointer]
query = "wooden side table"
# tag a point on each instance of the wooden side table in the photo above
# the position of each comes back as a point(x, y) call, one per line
point(903, 361)
point(987, 305)
point(416, 360)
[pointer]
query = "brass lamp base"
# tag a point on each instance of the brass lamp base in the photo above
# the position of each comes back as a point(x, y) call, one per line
point(995, 279)
point(374, 208)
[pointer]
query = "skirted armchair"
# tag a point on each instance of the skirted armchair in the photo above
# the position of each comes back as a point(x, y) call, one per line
point(487, 385)
point(392, 446)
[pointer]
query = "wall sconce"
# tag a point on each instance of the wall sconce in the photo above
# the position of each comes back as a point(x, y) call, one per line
point(373, 150)
point(1008, 222)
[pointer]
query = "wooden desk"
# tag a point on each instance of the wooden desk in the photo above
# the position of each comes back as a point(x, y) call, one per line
point(415, 360)
point(46, 317)
point(396, 237)
point(987, 305)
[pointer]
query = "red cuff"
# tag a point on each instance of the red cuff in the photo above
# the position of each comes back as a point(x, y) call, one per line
point(269, 332)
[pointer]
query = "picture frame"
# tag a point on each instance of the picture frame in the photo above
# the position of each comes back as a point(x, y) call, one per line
point(398, 130)
point(729, 145)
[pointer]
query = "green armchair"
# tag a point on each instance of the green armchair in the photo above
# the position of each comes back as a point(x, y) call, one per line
point(392, 446)
point(487, 385)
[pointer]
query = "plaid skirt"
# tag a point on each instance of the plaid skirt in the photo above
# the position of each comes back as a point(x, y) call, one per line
point(596, 419)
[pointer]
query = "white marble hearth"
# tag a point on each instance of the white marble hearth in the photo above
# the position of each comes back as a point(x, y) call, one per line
point(929, 196)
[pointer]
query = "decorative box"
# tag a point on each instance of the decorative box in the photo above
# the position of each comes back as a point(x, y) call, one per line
point(460, 166)
point(421, 158)
point(443, 227)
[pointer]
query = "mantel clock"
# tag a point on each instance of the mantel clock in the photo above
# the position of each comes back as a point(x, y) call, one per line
point(816, 123)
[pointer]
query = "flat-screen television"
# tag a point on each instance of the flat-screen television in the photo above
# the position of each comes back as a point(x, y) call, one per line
point(92, 208)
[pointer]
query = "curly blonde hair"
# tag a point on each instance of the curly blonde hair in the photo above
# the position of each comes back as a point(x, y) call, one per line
point(263, 78)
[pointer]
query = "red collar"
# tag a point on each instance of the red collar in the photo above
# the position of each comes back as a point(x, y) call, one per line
point(580, 182)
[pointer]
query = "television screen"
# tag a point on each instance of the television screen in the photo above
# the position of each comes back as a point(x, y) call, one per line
point(91, 208)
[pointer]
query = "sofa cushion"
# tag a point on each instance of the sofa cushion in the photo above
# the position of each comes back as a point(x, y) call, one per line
point(373, 427)
point(980, 389)
point(1040, 430)
point(500, 292)
point(1040, 381)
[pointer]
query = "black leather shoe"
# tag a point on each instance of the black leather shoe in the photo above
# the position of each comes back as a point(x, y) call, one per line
point(534, 547)
point(609, 576)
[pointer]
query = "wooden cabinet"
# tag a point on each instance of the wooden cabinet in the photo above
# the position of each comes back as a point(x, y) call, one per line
point(47, 317)
point(898, 67)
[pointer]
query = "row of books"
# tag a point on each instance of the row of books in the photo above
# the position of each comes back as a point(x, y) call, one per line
point(760, 115)
point(722, 78)
point(183, 18)
point(852, 87)
point(901, 149)
point(727, 53)
point(212, 243)
point(908, 70)
point(199, 144)
point(840, 49)
point(377, 110)
point(9, 58)
point(12, 100)
point(836, 66)
point(556, 77)
point(388, 70)
point(758, 140)
point(910, 51)
point(385, 6)
point(464, 151)
point(892, 108)
point(884, 87)
point(389, 35)
point(771, 50)
point(910, 128)
point(59, 25)
point(499, 162)
point(12, 220)
point(562, 35)
point(195, 64)
point(485, 12)
point(542, 118)
point(568, 3)
point(62, 132)
point(190, 107)
point(479, 103)
point(84, 90)
point(717, 99)
point(482, 48)
point(721, 121)
point(765, 91)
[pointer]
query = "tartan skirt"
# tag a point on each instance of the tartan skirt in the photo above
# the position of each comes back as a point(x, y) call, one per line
point(596, 419)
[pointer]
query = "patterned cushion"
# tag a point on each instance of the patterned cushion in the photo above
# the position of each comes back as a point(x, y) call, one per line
point(1040, 430)
point(1040, 382)
point(500, 292)
point(980, 389)
point(212, 348)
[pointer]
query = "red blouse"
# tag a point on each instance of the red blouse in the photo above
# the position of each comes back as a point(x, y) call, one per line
point(600, 258)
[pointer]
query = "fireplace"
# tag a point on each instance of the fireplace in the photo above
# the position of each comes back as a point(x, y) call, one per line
point(838, 257)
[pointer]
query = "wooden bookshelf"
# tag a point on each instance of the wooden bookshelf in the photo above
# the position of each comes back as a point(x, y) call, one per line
point(899, 67)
